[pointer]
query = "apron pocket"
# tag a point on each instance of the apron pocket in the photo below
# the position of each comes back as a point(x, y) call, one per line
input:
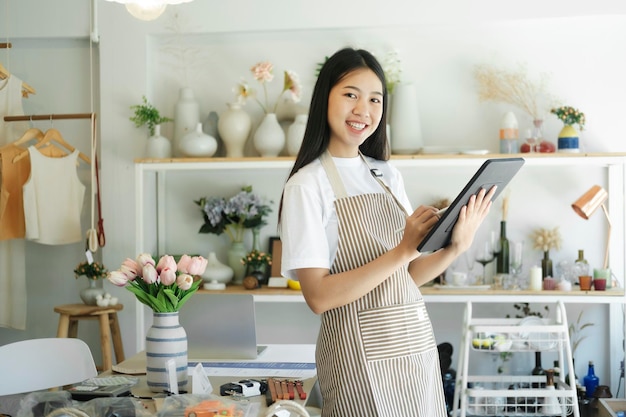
point(396, 331)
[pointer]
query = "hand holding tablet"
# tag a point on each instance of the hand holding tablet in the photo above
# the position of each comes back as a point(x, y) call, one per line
point(492, 172)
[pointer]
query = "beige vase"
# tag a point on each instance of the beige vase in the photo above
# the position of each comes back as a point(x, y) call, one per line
point(269, 138)
point(234, 127)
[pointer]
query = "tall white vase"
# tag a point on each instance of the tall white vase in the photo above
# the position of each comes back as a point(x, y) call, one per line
point(186, 117)
point(234, 127)
point(166, 339)
point(158, 146)
point(295, 134)
point(269, 138)
point(406, 129)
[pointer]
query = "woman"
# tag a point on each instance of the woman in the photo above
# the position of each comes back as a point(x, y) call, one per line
point(340, 213)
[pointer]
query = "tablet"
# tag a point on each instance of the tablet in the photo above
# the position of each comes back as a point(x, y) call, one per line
point(492, 172)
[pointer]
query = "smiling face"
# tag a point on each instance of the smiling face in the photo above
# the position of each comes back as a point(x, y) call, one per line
point(355, 108)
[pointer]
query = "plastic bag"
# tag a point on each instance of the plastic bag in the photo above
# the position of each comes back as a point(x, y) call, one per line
point(115, 407)
point(202, 405)
point(42, 403)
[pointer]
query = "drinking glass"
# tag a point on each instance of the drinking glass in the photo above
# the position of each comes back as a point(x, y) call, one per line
point(484, 255)
point(516, 262)
point(468, 259)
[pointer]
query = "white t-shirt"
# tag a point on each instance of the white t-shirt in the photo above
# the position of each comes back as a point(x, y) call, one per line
point(309, 229)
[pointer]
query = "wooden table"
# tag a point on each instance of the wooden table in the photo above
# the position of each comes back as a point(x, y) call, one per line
point(135, 366)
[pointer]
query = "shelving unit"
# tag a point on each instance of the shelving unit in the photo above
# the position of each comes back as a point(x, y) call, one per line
point(154, 176)
point(507, 395)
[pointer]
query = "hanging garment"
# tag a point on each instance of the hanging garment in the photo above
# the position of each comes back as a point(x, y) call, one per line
point(14, 175)
point(12, 252)
point(53, 199)
point(376, 356)
point(11, 105)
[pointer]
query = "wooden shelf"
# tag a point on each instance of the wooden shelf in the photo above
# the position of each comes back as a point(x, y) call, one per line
point(434, 294)
point(270, 160)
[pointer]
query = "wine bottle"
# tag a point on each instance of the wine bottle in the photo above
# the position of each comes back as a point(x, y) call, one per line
point(557, 373)
point(546, 265)
point(572, 372)
point(538, 371)
point(502, 261)
point(590, 381)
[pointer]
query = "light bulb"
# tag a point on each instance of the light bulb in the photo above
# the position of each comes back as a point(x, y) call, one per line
point(146, 10)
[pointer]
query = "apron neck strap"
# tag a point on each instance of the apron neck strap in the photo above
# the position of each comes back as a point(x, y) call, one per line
point(337, 185)
point(333, 175)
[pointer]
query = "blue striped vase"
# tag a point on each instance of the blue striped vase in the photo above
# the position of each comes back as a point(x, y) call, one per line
point(166, 339)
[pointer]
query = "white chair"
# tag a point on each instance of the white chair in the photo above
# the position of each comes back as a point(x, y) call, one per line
point(38, 364)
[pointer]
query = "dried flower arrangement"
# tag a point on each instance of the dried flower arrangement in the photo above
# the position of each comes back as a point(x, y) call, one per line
point(546, 239)
point(575, 330)
point(514, 87)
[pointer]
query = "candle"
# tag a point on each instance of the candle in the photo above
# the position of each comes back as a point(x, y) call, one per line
point(535, 283)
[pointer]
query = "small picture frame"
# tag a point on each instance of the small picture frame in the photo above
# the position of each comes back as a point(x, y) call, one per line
point(276, 250)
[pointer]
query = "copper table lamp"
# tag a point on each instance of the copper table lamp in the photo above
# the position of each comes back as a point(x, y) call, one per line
point(587, 204)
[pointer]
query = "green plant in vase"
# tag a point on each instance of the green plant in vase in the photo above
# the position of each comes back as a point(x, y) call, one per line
point(147, 114)
point(257, 264)
point(568, 136)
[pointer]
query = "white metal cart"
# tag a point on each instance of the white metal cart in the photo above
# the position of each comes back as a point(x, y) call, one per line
point(509, 395)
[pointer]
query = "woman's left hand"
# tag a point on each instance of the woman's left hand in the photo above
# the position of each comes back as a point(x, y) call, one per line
point(471, 217)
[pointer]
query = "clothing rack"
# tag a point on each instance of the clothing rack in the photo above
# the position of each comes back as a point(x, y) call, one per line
point(48, 117)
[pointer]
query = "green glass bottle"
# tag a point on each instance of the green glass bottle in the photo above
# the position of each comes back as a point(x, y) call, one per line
point(502, 260)
point(546, 265)
point(581, 257)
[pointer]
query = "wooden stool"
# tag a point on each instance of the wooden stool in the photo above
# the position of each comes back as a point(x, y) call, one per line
point(109, 327)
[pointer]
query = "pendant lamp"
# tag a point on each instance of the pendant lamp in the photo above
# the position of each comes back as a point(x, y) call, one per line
point(147, 9)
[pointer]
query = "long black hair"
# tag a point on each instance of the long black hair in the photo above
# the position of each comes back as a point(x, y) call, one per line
point(317, 133)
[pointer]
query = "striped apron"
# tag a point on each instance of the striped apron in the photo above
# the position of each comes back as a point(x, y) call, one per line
point(376, 356)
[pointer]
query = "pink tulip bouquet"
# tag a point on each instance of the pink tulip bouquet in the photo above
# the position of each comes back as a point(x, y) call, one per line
point(164, 286)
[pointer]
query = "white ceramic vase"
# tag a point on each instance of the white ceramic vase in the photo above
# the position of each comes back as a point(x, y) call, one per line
point(295, 134)
point(166, 339)
point(216, 275)
point(269, 138)
point(406, 129)
point(186, 117)
point(197, 144)
point(234, 127)
point(90, 294)
point(158, 146)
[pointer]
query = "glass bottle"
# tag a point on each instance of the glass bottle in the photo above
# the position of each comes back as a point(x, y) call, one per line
point(557, 373)
point(546, 265)
point(581, 266)
point(572, 372)
point(502, 260)
point(590, 381)
point(538, 371)
point(536, 135)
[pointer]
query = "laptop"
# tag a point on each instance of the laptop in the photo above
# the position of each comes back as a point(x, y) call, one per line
point(220, 326)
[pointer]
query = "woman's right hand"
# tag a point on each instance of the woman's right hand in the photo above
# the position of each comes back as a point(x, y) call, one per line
point(418, 224)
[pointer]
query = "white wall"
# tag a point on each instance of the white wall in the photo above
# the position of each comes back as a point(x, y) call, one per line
point(439, 43)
